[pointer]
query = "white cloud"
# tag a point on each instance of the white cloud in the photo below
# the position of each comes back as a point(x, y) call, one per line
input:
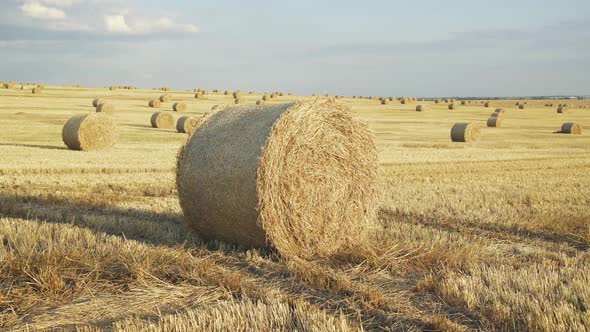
point(116, 24)
point(123, 24)
point(38, 10)
point(59, 3)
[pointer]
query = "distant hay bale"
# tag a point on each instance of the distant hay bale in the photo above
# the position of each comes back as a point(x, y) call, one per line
point(384, 101)
point(163, 120)
point(251, 156)
point(261, 102)
point(465, 132)
point(486, 104)
point(495, 121)
point(105, 108)
point(561, 109)
point(452, 106)
point(463, 102)
point(265, 97)
point(97, 101)
point(199, 95)
point(165, 98)
point(403, 101)
point(571, 128)
point(179, 107)
point(436, 101)
point(41, 86)
point(237, 94)
point(37, 91)
point(89, 132)
point(521, 106)
point(421, 108)
point(187, 123)
point(227, 92)
point(238, 101)
point(154, 103)
point(498, 112)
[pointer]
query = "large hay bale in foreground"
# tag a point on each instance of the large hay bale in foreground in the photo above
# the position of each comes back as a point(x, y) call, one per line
point(187, 123)
point(571, 128)
point(162, 120)
point(465, 132)
point(154, 103)
point(179, 107)
point(495, 121)
point(236, 176)
point(105, 108)
point(165, 98)
point(89, 132)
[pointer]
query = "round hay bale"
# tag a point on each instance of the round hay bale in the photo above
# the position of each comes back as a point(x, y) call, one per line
point(162, 120)
point(227, 92)
point(89, 132)
point(571, 128)
point(265, 97)
point(41, 86)
point(37, 91)
point(237, 94)
point(154, 103)
point(238, 101)
point(403, 101)
point(486, 104)
point(495, 121)
point(97, 101)
point(463, 102)
point(105, 108)
point(421, 108)
point(251, 157)
point(521, 106)
point(260, 102)
point(452, 106)
point(187, 123)
point(199, 95)
point(561, 109)
point(165, 98)
point(384, 101)
point(436, 101)
point(498, 112)
point(465, 132)
point(179, 107)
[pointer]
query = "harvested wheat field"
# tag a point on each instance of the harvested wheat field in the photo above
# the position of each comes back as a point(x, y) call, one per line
point(488, 235)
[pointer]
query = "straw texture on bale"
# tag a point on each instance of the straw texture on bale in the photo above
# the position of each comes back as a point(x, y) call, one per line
point(162, 120)
point(154, 103)
point(187, 123)
point(179, 107)
point(105, 108)
point(89, 132)
point(571, 128)
point(421, 108)
point(164, 98)
point(465, 132)
point(495, 121)
point(252, 157)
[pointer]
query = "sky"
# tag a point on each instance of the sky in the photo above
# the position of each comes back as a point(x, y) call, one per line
point(372, 47)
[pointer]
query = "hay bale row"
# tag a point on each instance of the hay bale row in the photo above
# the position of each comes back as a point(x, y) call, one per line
point(250, 156)
point(465, 132)
point(89, 132)
point(498, 112)
point(163, 120)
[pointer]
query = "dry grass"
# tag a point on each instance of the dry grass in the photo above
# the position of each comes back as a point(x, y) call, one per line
point(486, 236)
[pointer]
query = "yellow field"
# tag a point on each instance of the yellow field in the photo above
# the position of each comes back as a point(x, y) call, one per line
point(490, 235)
